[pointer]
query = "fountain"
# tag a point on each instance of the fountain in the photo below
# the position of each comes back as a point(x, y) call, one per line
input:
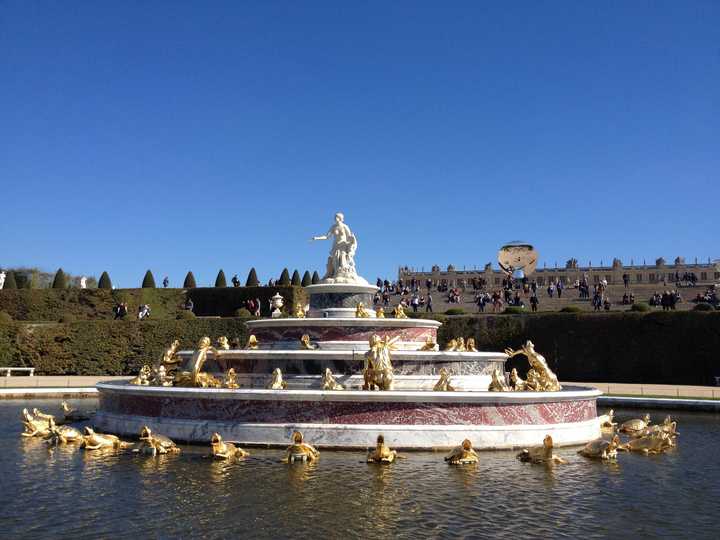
point(315, 373)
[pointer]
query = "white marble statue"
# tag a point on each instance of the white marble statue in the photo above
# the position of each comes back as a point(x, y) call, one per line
point(83, 282)
point(2, 279)
point(341, 262)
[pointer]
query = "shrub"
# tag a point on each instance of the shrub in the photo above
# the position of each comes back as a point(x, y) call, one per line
point(252, 279)
point(306, 280)
point(570, 309)
point(455, 311)
point(220, 280)
point(295, 281)
point(284, 280)
point(105, 282)
point(10, 282)
point(5, 317)
point(243, 313)
point(514, 310)
point(148, 281)
point(315, 278)
point(703, 307)
point(641, 307)
point(60, 281)
point(185, 315)
point(189, 282)
point(68, 318)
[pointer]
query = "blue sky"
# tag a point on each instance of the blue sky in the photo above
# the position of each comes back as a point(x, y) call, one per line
point(195, 136)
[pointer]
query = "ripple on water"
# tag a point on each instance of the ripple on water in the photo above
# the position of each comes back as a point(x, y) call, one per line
point(48, 493)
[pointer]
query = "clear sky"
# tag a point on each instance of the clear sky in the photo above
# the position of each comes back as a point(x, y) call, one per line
point(196, 136)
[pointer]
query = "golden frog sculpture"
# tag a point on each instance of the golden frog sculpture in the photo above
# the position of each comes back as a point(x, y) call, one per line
point(305, 343)
point(378, 371)
point(223, 343)
point(429, 345)
point(231, 379)
point(399, 312)
point(470, 345)
point(225, 450)
point(379, 312)
point(547, 381)
point(451, 346)
point(252, 343)
point(497, 384)
point(73, 415)
point(656, 443)
point(601, 449)
point(329, 382)
point(170, 358)
point(463, 454)
point(62, 434)
point(299, 312)
point(97, 441)
point(34, 427)
point(361, 312)
point(143, 376)
point(516, 383)
point(382, 453)
point(195, 377)
point(299, 450)
point(460, 345)
point(606, 421)
point(155, 444)
point(541, 454)
point(39, 415)
point(277, 383)
point(443, 384)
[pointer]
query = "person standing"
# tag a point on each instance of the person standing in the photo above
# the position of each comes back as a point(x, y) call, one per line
point(166, 282)
point(534, 303)
point(235, 281)
point(428, 305)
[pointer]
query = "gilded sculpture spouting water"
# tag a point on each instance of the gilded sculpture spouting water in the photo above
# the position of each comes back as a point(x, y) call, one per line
point(378, 372)
point(540, 377)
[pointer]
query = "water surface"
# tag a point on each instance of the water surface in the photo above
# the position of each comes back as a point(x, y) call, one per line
point(72, 493)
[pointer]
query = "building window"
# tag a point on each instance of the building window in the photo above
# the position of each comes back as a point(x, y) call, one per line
point(638, 278)
point(717, 275)
point(608, 279)
point(671, 276)
point(497, 281)
point(651, 278)
point(703, 276)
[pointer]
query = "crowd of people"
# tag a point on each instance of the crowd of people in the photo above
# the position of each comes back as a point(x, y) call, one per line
point(710, 296)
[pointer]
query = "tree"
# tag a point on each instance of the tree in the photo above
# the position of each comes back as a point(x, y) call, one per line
point(252, 279)
point(306, 280)
point(189, 282)
point(148, 281)
point(60, 280)
point(315, 278)
point(105, 282)
point(220, 280)
point(284, 278)
point(10, 282)
point(295, 279)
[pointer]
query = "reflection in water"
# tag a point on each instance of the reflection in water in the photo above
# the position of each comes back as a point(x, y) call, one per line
point(118, 493)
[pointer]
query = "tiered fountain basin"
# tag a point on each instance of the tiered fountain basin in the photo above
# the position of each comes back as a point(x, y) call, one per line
point(409, 419)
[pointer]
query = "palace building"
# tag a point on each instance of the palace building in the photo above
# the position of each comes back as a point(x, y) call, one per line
point(490, 277)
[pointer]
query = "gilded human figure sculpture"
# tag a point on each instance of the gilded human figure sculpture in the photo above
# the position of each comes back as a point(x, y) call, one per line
point(225, 450)
point(329, 382)
point(399, 312)
point(252, 343)
point(276, 382)
point(541, 454)
point(299, 450)
point(361, 312)
point(305, 343)
point(463, 455)
point(378, 372)
point(429, 345)
point(143, 376)
point(299, 312)
point(443, 384)
point(170, 358)
point(194, 375)
point(381, 453)
point(223, 343)
point(547, 381)
point(379, 312)
point(231, 379)
point(340, 266)
point(470, 345)
point(497, 384)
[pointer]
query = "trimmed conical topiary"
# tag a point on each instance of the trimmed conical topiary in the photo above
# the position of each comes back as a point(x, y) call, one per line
point(105, 282)
point(306, 280)
point(10, 282)
point(220, 280)
point(148, 281)
point(60, 281)
point(284, 278)
point(315, 278)
point(252, 279)
point(189, 282)
point(295, 279)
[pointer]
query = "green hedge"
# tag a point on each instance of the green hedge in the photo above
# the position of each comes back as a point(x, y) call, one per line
point(224, 302)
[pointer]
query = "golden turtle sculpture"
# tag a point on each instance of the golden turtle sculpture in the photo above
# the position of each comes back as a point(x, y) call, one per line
point(601, 449)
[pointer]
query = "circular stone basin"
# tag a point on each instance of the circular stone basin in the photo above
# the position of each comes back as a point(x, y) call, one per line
point(279, 333)
point(352, 419)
